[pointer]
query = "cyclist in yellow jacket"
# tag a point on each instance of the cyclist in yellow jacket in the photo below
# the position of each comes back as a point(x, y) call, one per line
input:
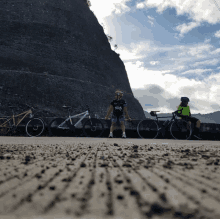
point(186, 115)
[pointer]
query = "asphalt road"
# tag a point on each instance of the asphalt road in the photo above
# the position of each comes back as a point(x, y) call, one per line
point(44, 177)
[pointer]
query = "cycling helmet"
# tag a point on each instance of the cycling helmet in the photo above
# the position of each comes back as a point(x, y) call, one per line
point(185, 99)
point(118, 93)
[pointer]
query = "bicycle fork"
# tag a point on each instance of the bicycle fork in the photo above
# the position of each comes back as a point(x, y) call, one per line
point(93, 127)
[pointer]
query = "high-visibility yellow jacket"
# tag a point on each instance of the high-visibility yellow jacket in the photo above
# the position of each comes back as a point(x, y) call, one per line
point(185, 112)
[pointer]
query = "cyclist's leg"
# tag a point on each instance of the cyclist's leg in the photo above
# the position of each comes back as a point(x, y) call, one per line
point(193, 120)
point(197, 123)
point(114, 120)
point(122, 119)
point(112, 127)
point(187, 119)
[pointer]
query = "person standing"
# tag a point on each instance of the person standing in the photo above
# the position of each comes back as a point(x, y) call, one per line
point(118, 106)
point(186, 115)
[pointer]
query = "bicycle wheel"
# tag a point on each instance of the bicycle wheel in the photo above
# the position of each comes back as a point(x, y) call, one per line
point(181, 130)
point(4, 127)
point(147, 129)
point(53, 126)
point(93, 128)
point(34, 127)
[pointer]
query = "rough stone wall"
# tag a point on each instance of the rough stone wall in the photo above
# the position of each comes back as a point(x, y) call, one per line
point(55, 52)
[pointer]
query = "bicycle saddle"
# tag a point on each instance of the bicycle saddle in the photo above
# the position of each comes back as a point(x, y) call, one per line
point(12, 106)
point(67, 107)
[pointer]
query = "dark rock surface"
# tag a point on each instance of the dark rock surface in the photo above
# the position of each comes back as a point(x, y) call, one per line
point(54, 53)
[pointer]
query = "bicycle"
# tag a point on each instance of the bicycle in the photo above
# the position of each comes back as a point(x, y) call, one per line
point(34, 127)
point(179, 128)
point(91, 128)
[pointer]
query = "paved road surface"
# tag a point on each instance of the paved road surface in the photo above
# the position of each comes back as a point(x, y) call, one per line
point(52, 177)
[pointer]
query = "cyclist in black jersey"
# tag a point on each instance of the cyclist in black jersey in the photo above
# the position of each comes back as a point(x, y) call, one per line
point(118, 106)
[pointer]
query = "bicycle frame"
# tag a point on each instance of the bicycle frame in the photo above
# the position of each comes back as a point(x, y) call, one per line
point(71, 117)
point(173, 119)
point(14, 116)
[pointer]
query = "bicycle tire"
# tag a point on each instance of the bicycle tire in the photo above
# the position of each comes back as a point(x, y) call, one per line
point(34, 127)
point(180, 131)
point(93, 130)
point(147, 129)
point(53, 130)
point(4, 127)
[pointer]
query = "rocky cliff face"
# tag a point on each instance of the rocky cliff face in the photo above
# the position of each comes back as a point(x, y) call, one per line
point(55, 52)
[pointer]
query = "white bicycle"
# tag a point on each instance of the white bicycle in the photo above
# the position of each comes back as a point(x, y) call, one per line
point(91, 128)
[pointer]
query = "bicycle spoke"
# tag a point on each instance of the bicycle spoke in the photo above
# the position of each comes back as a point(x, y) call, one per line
point(93, 128)
point(147, 129)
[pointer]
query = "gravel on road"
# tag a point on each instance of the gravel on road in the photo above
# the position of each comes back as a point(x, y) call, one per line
point(52, 177)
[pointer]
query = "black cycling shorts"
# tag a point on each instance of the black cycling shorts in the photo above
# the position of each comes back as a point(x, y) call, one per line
point(189, 118)
point(117, 119)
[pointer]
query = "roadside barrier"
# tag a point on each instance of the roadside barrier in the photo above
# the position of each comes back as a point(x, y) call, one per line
point(209, 131)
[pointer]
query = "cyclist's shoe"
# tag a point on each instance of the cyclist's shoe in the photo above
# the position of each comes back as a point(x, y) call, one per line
point(123, 135)
point(110, 135)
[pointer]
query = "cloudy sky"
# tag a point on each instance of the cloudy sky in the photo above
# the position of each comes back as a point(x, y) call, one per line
point(170, 49)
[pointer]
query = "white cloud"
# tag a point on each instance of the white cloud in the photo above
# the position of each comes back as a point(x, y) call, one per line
point(150, 20)
point(217, 34)
point(202, 94)
point(207, 62)
point(185, 28)
point(143, 46)
point(196, 71)
point(140, 76)
point(198, 10)
point(151, 23)
point(143, 78)
point(216, 51)
point(125, 56)
point(180, 67)
point(178, 58)
point(129, 54)
point(154, 62)
point(150, 17)
point(108, 8)
point(140, 5)
point(200, 50)
point(207, 41)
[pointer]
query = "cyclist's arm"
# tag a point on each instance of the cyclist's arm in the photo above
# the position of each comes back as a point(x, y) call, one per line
point(189, 112)
point(179, 108)
point(109, 111)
